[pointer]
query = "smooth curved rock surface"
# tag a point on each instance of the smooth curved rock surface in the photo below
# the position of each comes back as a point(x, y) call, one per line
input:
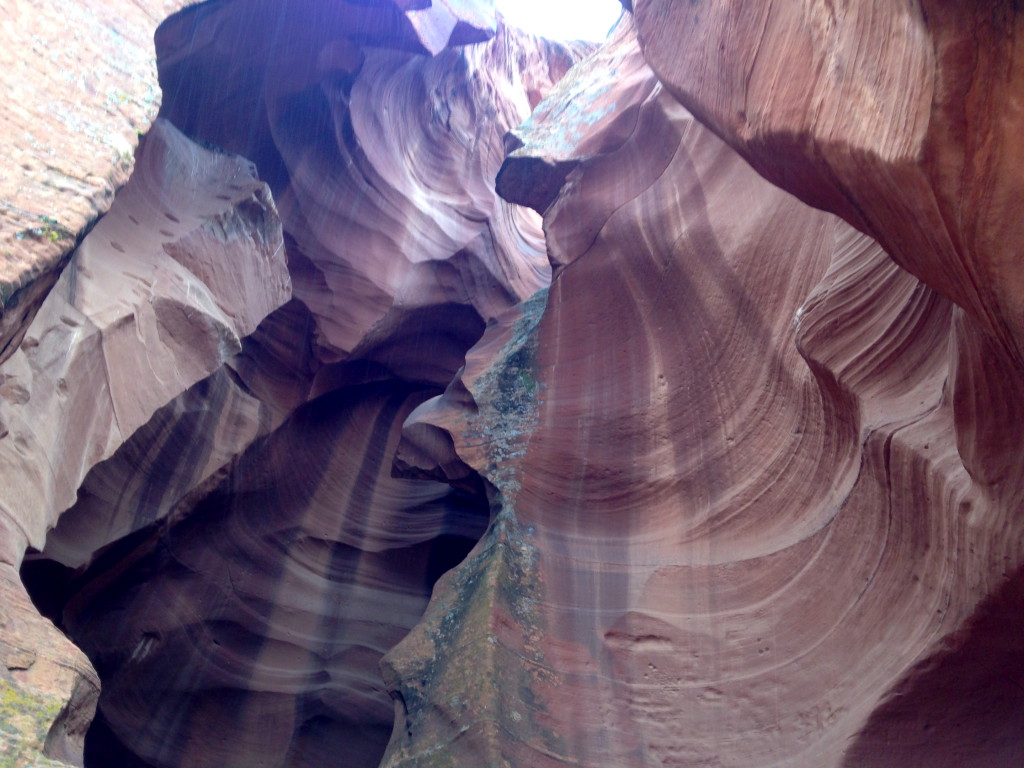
point(902, 118)
point(394, 281)
point(765, 521)
point(155, 298)
point(736, 489)
point(382, 161)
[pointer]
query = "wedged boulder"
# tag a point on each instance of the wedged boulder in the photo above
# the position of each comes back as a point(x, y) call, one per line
point(156, 298)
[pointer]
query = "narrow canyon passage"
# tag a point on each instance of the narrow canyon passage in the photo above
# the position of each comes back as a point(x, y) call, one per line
point(237, 568)
point(434, 395)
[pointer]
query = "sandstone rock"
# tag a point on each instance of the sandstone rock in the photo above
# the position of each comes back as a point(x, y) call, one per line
point(736, 502)
point(737, 489)
point(430, 322)
point(382, 162)
point(394, 281)
point(901, 118)
point(80, 85)
point(278, 594)
point(155, 298)
point(48, 689)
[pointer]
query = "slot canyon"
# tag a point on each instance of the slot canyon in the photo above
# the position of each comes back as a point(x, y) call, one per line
point(384, 385)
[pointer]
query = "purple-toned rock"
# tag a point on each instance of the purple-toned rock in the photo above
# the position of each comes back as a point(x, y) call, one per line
point(400, 251)
point(155, 298)
point(729, 480)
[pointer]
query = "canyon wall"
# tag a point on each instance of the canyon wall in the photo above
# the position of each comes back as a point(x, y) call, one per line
point(432, 394)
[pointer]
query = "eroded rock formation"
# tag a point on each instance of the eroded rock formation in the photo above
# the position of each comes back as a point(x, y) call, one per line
point(80, 86)
point(140, 314)
point(399, 251)
point(711, 458)
point(768, 522)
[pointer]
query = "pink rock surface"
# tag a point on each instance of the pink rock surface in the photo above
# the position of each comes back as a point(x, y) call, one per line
point(382, 161)
point(395, 276)
point(48, 686)
point(80, 85)
point(902, 118)
point(738, 489)
point(478, 255)
point(740, 501)
point(155, 298)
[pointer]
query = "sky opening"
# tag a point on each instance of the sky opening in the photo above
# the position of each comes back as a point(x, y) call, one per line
point(562, 19)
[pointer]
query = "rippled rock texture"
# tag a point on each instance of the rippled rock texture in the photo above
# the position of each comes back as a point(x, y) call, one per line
point(323, 171)
point(754, 497)
point(427, 400)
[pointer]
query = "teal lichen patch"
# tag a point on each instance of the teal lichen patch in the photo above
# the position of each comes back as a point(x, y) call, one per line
point(472, 674)
point(25, 720)
point(49, 230)
point(567, 116)
point(507, 397)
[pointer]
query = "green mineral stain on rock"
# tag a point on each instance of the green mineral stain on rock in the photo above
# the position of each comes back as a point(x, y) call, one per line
point(507, 397)
point(25, 720)
point(461, 674)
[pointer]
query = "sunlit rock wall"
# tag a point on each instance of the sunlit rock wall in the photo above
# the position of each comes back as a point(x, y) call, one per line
point(80, 86)
point(144, 310)
point(322, 451)
point(253, 488)
point(754, 491)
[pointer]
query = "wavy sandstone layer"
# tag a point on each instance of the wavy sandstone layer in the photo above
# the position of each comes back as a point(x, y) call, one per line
point(277, 464)
point(322, 451)
point(740, 508)
point(903, 118)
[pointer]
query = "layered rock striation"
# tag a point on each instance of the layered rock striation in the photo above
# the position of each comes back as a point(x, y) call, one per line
point(767, 537)
point(430, 396)
point(381, 158)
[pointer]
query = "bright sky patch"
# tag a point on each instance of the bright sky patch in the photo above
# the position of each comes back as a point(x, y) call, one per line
point(562, 19)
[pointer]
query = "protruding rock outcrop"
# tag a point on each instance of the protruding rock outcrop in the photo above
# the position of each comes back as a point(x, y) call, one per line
point(188, 260)
point(903, 118)
point(80, 86)
point(156, 298)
